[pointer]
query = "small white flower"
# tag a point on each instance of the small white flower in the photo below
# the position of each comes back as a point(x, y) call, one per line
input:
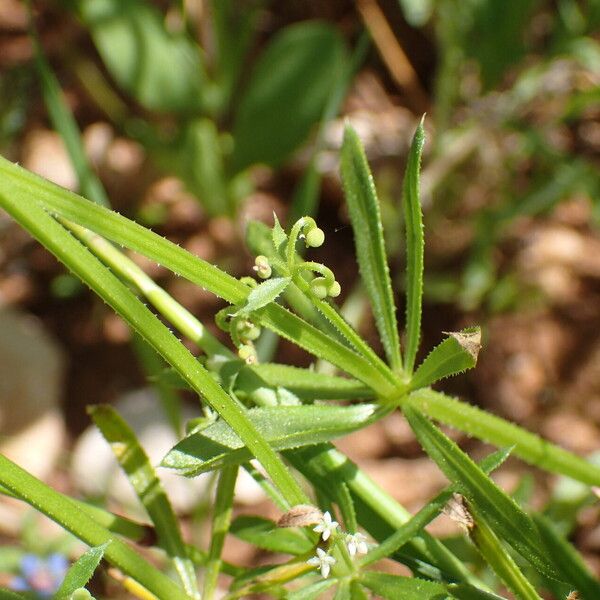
point(322, 561)
point(356, 542)
point(326, 526)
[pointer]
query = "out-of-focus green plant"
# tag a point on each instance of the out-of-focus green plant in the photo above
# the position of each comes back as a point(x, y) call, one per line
point(197, 113)
point(286, 416)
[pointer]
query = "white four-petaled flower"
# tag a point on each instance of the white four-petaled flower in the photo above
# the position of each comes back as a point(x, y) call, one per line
point(322, 561)
point(356, 542)
point(326, 526)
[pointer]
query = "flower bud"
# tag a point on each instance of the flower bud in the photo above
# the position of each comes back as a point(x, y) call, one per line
point(319, 287)
point(262, 267)
point(334, 290)
point(314, 238)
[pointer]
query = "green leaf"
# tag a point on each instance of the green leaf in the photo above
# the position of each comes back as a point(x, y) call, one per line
point(343, 591)
point(283, 427)
point(293, 76)
point(160, 69)
point(494, 430)
point(568, 561)
point(80, 572)
point(278, 235)
point(455, 354)
point(304, 383)
point(220, 527)
point(413, 221)
point(312, 591)
point(363, 207)
point(501, 561)
point(464, 591)
point(263, 294)
point(396, 587)
point(502, 513)
point(140, 473)
point(265, 534)
point(10, 595)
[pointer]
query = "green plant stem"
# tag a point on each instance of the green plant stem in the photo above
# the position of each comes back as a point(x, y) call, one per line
point(220, 527)
point(65, 512)
point(178, 316)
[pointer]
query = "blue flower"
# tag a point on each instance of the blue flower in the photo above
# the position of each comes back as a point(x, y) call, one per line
point(42, 576)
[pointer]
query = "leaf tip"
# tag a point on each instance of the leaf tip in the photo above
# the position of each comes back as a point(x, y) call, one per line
point(469, 340)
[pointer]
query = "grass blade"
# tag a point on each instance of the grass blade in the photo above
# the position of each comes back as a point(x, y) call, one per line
point(413, 221)
point(499, 510)
point(148, 488)
point(365, 216)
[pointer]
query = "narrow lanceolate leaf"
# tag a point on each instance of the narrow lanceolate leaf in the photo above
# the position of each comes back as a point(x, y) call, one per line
point(501, 561)
point(363, 207)
point(304, 383)
point(283, 427)
point(455, 354)
point(413, 221)
point(311, 592)
point(265, 534)
point(263, 294)
point(464, 591)
point(136, 466)
point(54, 237)
point(494, 430)
point(397, 587)
point(500, 511)
point(80, 572)
point(568, 561)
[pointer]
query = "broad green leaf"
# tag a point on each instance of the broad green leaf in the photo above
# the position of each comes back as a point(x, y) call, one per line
point(54, 237)
point(500, 511)
point(265, 534)
point(263, 294)
point(310, 592)
point(363, 207)
point(396, 587)
point(80, 572)
point(68, 515)
point(457, 353)
point(413, 221)
point(568, 561)
point(141, 475)
point(494, 430)
point(283, 427)
point(343, 591)
point(357, 591)
point(293, 76)
point(22, 184)
point(160, 69)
